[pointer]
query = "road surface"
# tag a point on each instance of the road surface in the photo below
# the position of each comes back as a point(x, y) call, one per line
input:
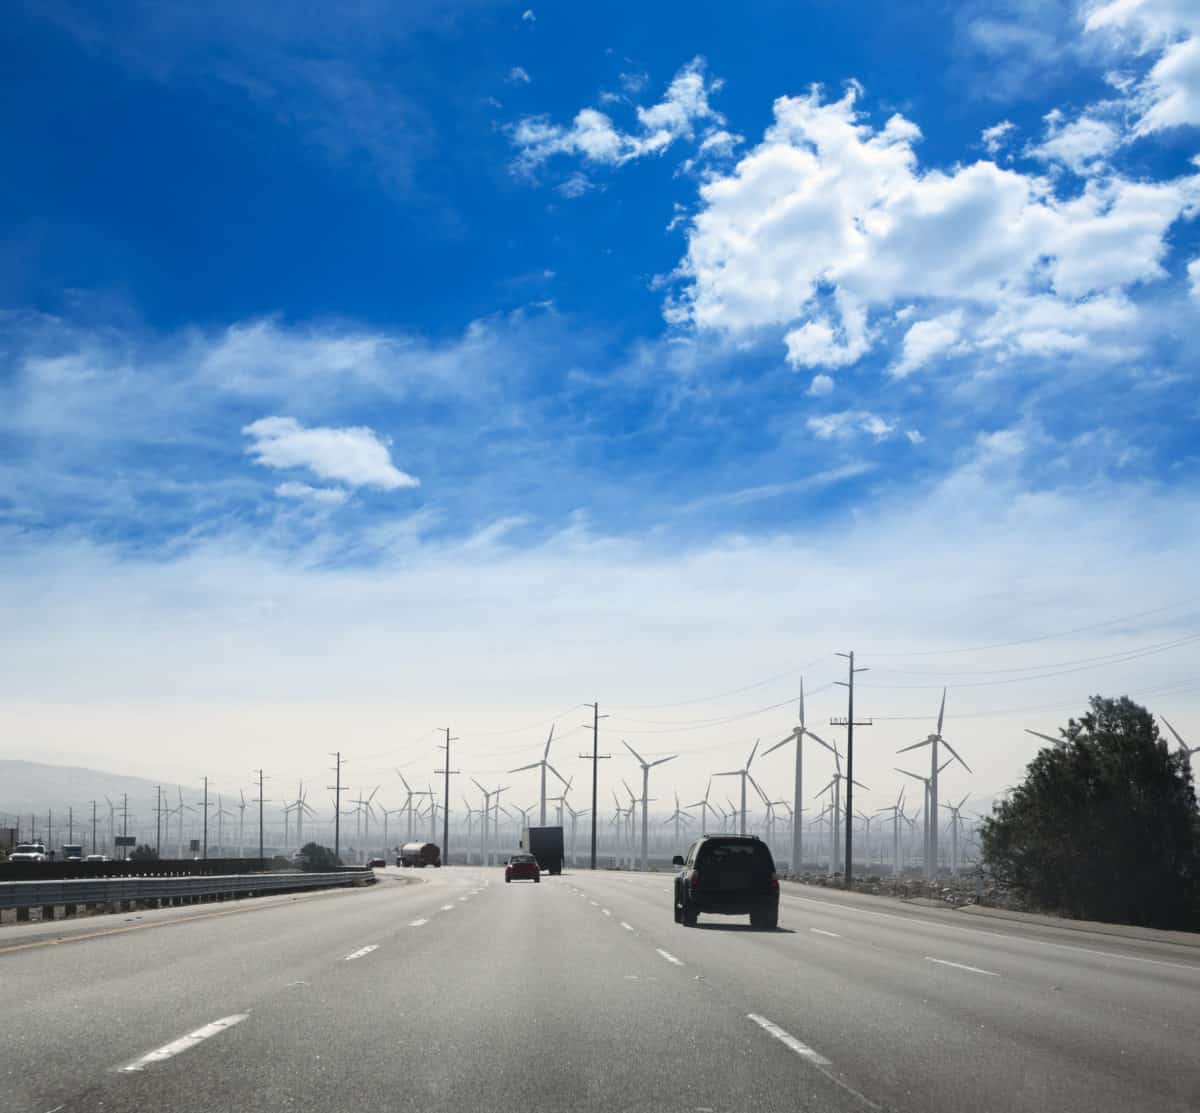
point(457, 992)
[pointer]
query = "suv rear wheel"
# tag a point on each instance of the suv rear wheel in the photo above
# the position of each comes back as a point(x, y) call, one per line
point(688, 914)
point(765, 919)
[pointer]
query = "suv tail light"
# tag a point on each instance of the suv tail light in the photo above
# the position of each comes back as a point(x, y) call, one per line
point(694, 879)
point(774, 879)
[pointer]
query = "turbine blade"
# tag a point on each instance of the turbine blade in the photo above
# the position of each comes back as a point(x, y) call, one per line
point(663, 759)
point(915, 776)
point(627, 746)
point(955, 753)
point(1174, 732)
point(1046, 737)
point(753, 751)
point(548, 741)
point(782, 742)
point(914, 746)
point(941, 711)
point(522, 768)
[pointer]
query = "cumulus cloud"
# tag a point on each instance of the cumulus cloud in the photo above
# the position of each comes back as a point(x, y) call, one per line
point(518, 75)
point(1193, 269)
point(356, 456)
point(1169, 95)
point(594, 137)
point(827, 202)
point(820, 386)
point(1082, 145)
point(925, 341)
point(528, 16)
point(996, 136)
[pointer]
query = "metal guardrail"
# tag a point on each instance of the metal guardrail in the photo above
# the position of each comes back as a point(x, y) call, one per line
point(45, 894)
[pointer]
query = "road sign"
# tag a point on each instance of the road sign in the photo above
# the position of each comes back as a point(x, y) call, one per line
point(195, 845)
point(125, 840)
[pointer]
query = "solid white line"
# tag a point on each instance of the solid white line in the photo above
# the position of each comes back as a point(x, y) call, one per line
point(447, 908)
point(960, 966)
point(462, 900)
point(606, 911)
point(786, 1038)
point(594, 903)
point(418, 923)
point(363, 951)
point(627, 927)
point(669, 957)
point(173, 1048)
point(1014, 937)
point(831, 934)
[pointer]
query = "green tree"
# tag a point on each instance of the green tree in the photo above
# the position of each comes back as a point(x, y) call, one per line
point(143, 853)
point(317, 858)
point(1104, 826)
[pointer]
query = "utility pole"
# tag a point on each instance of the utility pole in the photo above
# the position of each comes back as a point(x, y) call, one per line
point(124, 825)
point(595, 757)
point(446, 798)
point(336, 787)
point(261, 802)
point(70, 825)
point(157, 820)
point(50, 830)
point(93, 826)
point(850, 724)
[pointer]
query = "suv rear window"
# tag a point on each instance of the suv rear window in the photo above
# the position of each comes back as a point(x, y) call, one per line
point(735, 854)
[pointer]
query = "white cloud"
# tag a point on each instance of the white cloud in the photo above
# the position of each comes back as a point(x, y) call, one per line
point(528, 16)
point(927, 340)
point(1081, 145)
point(330, 496)
point(828, 202)
point(518, 75)
point(847, 423)
point(820, 386)
point(355, 455)
point(593, 136)
point(996, 136)
point(634, 83)
point(576, 185)
point(914, 436)
point(1193, 270)
point(1169, 95)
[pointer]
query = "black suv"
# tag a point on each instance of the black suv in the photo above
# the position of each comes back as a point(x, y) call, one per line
point(731, 875)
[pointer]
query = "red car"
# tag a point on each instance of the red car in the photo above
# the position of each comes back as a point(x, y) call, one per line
point(522, 867)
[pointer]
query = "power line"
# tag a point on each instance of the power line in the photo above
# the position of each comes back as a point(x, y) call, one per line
point(1117, 659)
point(683, 724)
point(731, 692)
point(1029, 641)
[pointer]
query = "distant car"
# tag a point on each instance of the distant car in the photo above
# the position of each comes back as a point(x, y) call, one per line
point(522, 867)
point(729, 875)
point(28, 852)
point(97, 858)
point(377, 863)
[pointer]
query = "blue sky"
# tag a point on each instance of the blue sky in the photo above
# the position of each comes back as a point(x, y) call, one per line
point(709, 330)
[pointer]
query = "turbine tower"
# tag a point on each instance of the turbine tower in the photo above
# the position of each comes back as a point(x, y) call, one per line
point(543, 764)
point(933, 741)
point(798, 734)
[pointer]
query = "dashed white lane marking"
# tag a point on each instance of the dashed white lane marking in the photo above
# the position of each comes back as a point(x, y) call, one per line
point(960, 966)
point(170, 1050)
point(606, 911)
point(363, 951)
point(788, 1040)
point(447, 908)
point(669, 957)
point(627, 927)
point(594, 903)
point(418, 923)
point(831, 934)
point(462, 900)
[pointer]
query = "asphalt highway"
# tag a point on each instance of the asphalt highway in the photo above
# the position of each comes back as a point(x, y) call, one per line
point(456, 992)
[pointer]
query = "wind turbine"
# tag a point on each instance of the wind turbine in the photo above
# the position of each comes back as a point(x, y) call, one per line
point(485, 811)
point(678, 816)
point(301, 808)
point(955, 820)
point(387, 814)
point(896, 811)
point(744, 773)
point(408, 802)
point(933, 741)
point(222, 811)
point(543, 764)
point(561, 799)
point(1187, 750)
point(574, 820)
point(926, 812)
point(835, 783)
point(705, 807)
point(798, 734)
point(180, 810)
point(646, 767)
